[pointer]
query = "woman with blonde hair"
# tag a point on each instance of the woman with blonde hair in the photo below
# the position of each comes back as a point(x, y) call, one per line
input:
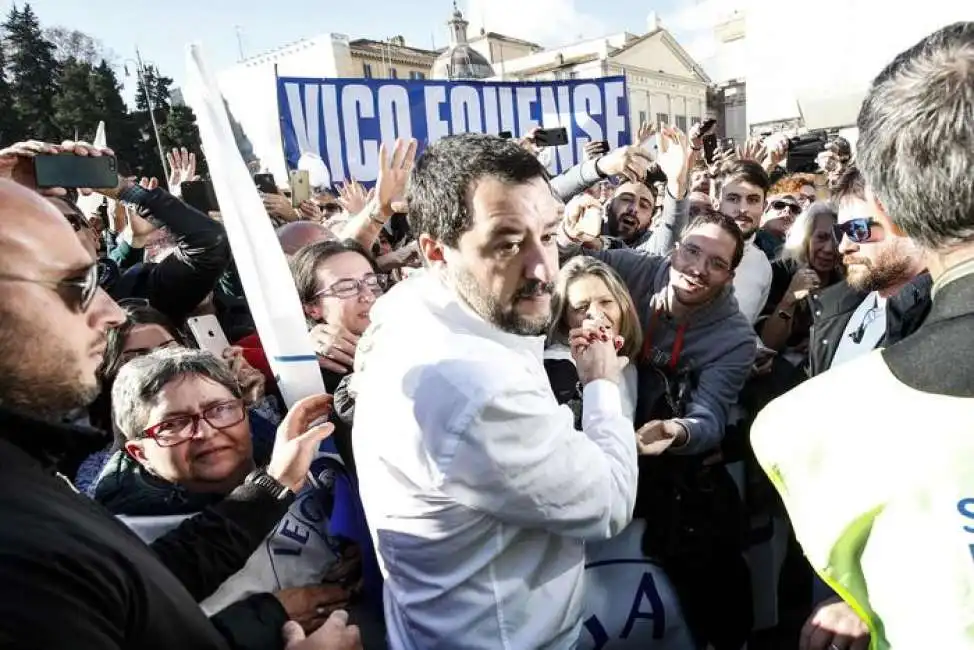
point(588, 289)
point(629, 598)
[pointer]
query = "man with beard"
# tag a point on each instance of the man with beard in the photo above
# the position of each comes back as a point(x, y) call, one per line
point(886, 294)
point(740, 191)
point(71, 575)
point(879, 490)
point(629, 214)
point(479, 492)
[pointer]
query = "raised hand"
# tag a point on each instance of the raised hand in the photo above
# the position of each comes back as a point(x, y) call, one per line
point(353, 197)
point(182, 168)
point(297, 440)
point(674, 159)
point(390, 189)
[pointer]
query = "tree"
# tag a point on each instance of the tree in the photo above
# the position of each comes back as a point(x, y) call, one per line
point(33, 71)
point(10, 130)
point(72, 44)
point(158, 89)
point(75, 114)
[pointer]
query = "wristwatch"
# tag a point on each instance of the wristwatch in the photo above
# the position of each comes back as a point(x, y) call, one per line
point(267, 483)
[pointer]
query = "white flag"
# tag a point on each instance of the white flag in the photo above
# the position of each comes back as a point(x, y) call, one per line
point(89, 204)
point(263, 268)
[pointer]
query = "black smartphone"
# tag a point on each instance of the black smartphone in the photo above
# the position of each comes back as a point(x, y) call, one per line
point(69, 170)
point(707, 125)
point(200, 195)
point(709, 147)
point(551, 137)
point(265, 183)
point(505, 135)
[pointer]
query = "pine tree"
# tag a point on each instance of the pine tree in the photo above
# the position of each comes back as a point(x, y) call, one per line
point(75, 114)
point(180, 131)
point(10, 131)
point(33, 71)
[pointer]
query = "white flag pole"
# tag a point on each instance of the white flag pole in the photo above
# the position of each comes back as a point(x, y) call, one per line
point(263, 268)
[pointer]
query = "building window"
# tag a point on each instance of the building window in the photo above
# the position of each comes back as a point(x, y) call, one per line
point(393, 73)
point(662, 118)
point(681, 122)
point(417, 75)
point(573, 75)
point(642, 118)
point(367, 70)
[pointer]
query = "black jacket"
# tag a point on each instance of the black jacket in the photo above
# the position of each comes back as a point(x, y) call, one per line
point(178, 284)
point(939, 357)
point(72, 576)
point(905, 312)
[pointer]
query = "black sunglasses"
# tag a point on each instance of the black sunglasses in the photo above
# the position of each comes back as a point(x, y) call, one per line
point(857, 230)
point(781, 205)
point(84, 287)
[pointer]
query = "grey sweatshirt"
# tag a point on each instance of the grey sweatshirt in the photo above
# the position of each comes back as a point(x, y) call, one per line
point(719, 348)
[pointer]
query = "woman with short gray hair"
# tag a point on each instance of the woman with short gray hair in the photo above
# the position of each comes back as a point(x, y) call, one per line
point(187, 444)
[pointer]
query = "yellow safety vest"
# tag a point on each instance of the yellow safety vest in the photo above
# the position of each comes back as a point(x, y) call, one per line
point(878, 479)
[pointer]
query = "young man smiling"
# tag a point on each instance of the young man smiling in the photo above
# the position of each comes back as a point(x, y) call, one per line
point(740, 190)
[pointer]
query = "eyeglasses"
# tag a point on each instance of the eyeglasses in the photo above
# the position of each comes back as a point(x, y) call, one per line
point(134, 353)
point(857, 230)
point(694, 252)
point(83, 290)
point(781, 205)
point(350, 287)
point(180, 428)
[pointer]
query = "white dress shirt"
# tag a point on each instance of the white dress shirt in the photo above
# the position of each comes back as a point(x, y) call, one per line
point(752, 281)
point(478, 491)
point(864, 331)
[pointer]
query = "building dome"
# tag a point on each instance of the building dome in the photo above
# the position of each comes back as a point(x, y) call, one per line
point(460, 61)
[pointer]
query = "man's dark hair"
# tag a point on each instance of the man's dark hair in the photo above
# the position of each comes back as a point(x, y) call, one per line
point(850, 185)
point(439, 186)
point(916, 138)
point(707, 216)
point(305, 263)
point(742, 171)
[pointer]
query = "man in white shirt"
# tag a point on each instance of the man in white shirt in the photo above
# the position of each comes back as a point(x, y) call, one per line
point(740, 190)
point(479, 492)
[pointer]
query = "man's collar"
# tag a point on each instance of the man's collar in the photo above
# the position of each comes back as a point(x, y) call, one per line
point(52, 445)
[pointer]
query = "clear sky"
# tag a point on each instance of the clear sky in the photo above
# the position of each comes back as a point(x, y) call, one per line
point(161, 28)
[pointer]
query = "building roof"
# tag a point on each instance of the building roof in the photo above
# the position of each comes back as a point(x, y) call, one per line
point(462, 62)
point(556, 65)
point(507, 39)
point(368, 43)
point(672, 43)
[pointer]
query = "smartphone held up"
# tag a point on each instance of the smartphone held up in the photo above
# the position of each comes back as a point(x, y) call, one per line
point(70, 171)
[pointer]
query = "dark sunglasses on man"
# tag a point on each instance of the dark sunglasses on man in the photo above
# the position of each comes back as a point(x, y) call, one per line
point(781, 205)
point(77, 292)
point(857, 230)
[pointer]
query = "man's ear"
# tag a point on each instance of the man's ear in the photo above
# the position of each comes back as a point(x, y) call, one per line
point(431, 249)
point(879, 213)
point(136, 449)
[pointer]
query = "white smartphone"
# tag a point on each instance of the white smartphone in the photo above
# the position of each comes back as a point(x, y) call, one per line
point(208, 334)
point(300, 186)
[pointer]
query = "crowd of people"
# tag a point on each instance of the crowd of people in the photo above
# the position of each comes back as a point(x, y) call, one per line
point(661, 400)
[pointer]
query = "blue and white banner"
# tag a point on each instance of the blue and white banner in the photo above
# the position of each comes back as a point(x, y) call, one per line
point(344, 120)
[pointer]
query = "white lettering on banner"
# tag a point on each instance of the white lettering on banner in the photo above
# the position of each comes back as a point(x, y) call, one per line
point(558, 113)
point(465, 110)
point(586, 100)
point(329, 104)
point(506, 100)
point(394, 117)
point(436, 126)
point(491, 123)
point(305, 130)
point(362, 155)
point(526, 96)
point(615, 122)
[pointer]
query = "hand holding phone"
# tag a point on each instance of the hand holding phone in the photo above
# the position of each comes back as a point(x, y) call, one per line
point(208, 334)
point(551, 137)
